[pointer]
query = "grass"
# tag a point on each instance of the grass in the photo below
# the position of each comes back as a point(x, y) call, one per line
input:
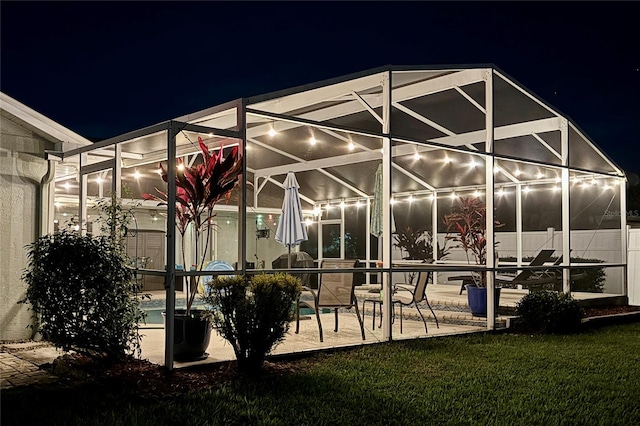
point(586, 379)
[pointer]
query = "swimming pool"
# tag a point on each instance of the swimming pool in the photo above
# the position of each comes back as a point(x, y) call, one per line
point(154, 315)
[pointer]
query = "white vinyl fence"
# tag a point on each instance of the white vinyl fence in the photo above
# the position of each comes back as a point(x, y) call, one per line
point(634, 267)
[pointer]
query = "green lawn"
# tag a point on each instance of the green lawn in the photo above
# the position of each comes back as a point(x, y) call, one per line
point(586, 379)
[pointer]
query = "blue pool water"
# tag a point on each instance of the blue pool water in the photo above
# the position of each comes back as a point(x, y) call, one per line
point(154, 315)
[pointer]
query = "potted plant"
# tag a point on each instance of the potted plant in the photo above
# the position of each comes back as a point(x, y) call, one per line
point(466, 225)
point(198, 189)
point(417, 245)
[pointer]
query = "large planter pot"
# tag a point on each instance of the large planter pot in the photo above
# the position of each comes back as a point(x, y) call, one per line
point(191, 335)
point(477, 299)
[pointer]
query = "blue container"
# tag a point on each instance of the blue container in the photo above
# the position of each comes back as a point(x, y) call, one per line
point(477, 299)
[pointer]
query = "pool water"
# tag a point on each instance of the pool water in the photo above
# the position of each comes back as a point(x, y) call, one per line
point(154, 315)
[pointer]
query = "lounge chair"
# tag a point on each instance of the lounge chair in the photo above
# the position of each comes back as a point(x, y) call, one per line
point(531, 278)
point(335, 291)
point(505, 280)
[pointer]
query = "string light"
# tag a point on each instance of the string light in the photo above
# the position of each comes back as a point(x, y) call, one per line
point(308, 221)
point(416, 156)
point(136, 175)
point(517, 172)
point(98, 180)
point(181, 167)
point(497, 170)
point(272, 132)
point(351, 146)
point(540, 175)
point(447, 160)
point(555, 188)
point(473, 164)
point(501, 192)
point(411, 199)
point(526, 189)
point(312, 140)
point(392, 201)
point(453, 195)
point(342, 204)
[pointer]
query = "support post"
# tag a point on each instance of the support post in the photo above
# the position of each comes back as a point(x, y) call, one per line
point(434, 227)
point(82, 208)
point(242, 202)
point(489, 177)
point(519, 223)
point(624, 233)
point(116, 174)
point(566, 222)
point(170, 271)
point(387, 156)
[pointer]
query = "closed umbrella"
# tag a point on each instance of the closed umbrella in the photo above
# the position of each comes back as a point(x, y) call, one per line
point(376, 210)
point(291, 230)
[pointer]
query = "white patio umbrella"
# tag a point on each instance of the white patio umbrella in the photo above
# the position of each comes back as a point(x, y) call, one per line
point(291, 230)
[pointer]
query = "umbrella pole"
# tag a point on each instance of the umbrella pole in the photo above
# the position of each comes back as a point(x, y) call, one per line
point(289, 257)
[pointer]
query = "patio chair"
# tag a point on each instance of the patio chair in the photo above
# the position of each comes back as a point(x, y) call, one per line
point(418, 293)
point(335, 291)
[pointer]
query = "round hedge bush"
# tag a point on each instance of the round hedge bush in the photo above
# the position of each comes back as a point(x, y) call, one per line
point(548, 311)
point(83, 294)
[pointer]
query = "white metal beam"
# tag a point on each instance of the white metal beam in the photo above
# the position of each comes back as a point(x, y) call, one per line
point(503, 132)
point(366, 106)
point(412, 176)
point(546, 145)
point(423, 119)
point(470, 99)
point(280, 185)
point(343, 183)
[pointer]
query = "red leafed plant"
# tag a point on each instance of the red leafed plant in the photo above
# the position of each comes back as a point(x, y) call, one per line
point(466, 225)
point(198, 189)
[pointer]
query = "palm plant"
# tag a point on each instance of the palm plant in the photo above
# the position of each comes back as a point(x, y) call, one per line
point(416, 245)
point(198, 189)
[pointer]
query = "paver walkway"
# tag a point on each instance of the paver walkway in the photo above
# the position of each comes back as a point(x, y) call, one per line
point(20, 363)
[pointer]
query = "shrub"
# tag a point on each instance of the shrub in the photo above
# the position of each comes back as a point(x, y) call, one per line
point(253, 314)
point(83, 295)
point(549, 312)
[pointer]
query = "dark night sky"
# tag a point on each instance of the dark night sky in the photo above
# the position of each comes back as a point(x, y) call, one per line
point(106, 68)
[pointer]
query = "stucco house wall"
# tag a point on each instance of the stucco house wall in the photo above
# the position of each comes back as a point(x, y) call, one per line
point(26, 201)
point(22, 167)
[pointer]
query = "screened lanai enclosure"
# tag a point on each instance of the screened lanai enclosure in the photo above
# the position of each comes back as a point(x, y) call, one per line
point(437, 138)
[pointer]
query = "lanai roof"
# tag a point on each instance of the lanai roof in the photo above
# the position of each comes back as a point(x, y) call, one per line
point(437, 113)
